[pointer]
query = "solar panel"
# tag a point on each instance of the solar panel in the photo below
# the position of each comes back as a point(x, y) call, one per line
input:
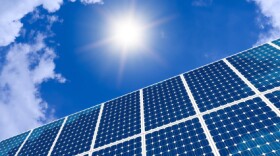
point(277, 42)
point(131, 147)
point(248, 128)
point(41, 139)
point(166, 102)
point(274, 97)
point(211, 110)
point(215, 85)
point(260, 65)
point(10, 146)
point(77, 133)
point(185, 138)
point(120, 119)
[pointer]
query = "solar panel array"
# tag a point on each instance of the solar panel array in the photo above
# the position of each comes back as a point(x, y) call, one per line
point(229, 107)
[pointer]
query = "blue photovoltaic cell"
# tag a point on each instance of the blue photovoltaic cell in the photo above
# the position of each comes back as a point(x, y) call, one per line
point(77, 133)
point(120, 119)
point(249, 128)
point(277, 42)
point(128, 148)
point(166, 102)
point(215, 85)
point(261, 66)
point(41, 139)
point(10, 146)
point(186, 138)
point(274, 98)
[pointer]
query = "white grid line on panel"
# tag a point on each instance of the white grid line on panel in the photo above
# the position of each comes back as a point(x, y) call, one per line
point(24, 142)
point(171, 124)
point(269, 104)
point(199, 115)
point(271, 90)
point(229, 104)
point(57, 136)
point(143, 136)
point(97, 126)
point(109, 145)
point(190, 94)
point(182, 120)
point(274, 45)
point(84, 153)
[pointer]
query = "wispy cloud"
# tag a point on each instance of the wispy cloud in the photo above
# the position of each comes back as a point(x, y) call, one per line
point(270, 9)
point(12, 11)
point(26, 66)
point(89, 1)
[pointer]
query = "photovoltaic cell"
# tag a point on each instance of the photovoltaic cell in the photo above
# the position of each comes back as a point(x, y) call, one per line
point(166, 102)
point(274, 98)
point(249, 128)
point(41, 139)
point(120, 119)
point(10, 146)
point(186, 138)
point(260, 65)
point(277, 42)
point(128, 148)
point(215, 85)
point(77, 134)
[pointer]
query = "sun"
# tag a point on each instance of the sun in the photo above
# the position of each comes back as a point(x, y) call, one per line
point(127, 33)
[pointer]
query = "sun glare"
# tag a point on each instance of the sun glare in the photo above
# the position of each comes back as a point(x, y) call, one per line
point(127, 36)
point(127, 33)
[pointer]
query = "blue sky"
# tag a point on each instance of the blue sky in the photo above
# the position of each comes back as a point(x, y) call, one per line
point(49, 67)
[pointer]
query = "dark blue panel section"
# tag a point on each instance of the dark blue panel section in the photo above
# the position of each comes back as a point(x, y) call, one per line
point(166, 102)
point(215, 85)
point(120, 119)
point(77, 133)
point(128, 148)
point(249, 128)
point(10, 146)
point(274, 98)
point(41, 139)
point(277, 42)
point(261, 66)
point(186, 138)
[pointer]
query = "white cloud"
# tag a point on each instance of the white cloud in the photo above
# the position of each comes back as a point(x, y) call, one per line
point(11, 12)
point(89, 1)
point(271, 10)
point(25, 67)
